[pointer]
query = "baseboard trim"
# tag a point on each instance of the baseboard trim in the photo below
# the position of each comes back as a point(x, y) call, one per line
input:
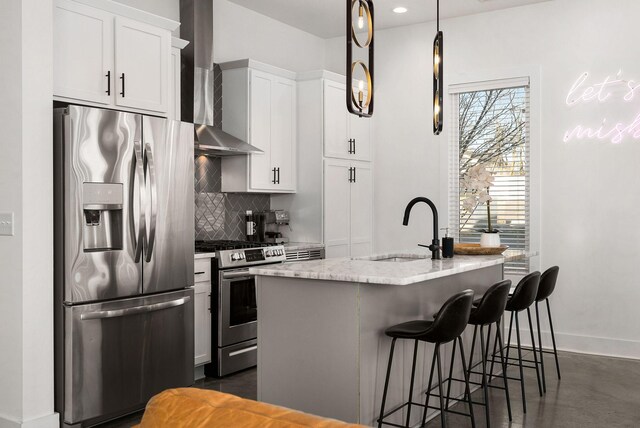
point(591, 345)
point(48, 421)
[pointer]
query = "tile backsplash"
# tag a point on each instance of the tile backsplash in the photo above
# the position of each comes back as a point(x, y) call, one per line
point(220, 215)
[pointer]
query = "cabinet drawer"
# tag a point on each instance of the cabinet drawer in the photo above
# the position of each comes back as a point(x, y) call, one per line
point(202, 270)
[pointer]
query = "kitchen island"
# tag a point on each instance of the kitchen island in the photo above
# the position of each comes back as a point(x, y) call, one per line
point(321, 342)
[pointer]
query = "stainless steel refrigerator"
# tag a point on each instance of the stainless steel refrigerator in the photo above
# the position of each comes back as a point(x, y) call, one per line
point(124, 247)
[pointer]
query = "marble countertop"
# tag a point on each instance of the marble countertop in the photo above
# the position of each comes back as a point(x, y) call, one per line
point(373, 270)
point(297, 246)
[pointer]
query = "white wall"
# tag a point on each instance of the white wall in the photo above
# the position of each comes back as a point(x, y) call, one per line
point(26, 259)
point(242, 33)
point(589, 195)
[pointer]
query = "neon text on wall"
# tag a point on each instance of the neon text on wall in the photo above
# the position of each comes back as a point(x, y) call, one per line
point(610, 89)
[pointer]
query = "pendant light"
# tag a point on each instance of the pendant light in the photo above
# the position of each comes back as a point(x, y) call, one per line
point(438, 82)
point(360, 74)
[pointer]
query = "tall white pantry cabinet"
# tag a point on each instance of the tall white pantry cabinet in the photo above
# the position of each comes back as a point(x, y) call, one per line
point(334, 200)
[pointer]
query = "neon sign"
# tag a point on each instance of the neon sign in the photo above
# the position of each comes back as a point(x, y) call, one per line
point(609, 89)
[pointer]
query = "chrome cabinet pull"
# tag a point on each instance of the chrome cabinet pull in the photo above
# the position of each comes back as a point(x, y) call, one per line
point(108, 76)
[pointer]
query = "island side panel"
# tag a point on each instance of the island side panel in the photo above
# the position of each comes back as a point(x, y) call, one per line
point(382, 306)
point(308, 345)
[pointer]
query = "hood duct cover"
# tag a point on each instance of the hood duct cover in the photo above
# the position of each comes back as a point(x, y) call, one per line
point(197, 89)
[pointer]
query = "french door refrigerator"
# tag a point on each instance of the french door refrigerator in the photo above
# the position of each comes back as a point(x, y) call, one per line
point(124, 247)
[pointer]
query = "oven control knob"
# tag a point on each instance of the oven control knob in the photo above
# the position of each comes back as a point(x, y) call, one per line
point(235, 257)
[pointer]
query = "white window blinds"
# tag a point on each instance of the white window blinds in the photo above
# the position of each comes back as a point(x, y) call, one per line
point(491, 127)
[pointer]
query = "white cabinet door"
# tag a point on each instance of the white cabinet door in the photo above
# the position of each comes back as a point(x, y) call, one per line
point(283, 133)
point(261, 171)
point(360, 132)
point(202, 323)
point(83, 53)
point(142, 65)
point(361, 215)
point(337, 196)
point(336, 125)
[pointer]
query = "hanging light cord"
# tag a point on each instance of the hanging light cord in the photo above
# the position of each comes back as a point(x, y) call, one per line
point(438, 15)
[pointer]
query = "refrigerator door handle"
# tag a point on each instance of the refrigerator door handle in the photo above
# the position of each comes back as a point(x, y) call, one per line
point(135, 310)
point(150, 165)
point(139, 169)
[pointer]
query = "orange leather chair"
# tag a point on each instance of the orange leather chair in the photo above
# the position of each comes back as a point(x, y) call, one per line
point(193, 407)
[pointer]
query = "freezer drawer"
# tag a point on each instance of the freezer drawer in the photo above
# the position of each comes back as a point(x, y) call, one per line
point(118, 354)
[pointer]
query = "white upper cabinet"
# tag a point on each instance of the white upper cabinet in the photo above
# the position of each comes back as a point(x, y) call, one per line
point(103, 58)
point(346, 136)
point(142, 65)
point(259, 107)
point(83, 60)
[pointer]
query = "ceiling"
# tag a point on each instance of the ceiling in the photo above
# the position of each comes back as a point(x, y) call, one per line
point(325, 18)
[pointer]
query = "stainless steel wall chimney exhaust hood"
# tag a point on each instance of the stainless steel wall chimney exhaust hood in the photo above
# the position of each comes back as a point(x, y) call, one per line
point(196, 88)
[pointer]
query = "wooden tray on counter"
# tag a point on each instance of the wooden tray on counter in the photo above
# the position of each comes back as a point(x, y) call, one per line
point(477, 250)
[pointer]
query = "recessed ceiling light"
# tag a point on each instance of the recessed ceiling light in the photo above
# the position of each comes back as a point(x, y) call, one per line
point(400, 9)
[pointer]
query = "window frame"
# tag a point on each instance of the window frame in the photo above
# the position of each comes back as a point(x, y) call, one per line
point(491, 79)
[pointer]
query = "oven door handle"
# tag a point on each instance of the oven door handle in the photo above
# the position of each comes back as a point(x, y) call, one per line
point(236, 275)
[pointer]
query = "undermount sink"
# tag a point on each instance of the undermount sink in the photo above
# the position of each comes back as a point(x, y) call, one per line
point(400, 259)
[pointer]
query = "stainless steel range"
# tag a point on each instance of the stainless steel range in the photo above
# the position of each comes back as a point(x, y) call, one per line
point(234, 311)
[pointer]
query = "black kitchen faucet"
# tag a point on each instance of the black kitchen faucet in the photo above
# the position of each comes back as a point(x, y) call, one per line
point(435, 243)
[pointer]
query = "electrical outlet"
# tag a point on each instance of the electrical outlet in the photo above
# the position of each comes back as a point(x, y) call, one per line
point(6, 224)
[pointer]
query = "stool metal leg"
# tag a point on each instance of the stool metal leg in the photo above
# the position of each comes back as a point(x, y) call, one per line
point(426, 404)
point(553, 339)
point(386, 382)
point(504, 368)
point(485, 386)
point(535, 354)
point(442, 416)
point(413, 375)
point(453, 354)
point(466, 384)
point(473, 344)
point(544, 380)
point(524, 402)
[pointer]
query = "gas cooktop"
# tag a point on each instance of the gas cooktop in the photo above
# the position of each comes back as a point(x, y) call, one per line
point(227, 244)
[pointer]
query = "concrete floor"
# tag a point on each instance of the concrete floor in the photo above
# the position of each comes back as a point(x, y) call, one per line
point(594, 392)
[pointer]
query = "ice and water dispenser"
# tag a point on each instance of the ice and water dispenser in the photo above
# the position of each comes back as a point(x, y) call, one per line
point(102, 209)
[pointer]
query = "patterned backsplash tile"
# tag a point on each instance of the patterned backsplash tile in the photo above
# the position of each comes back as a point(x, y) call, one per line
point(220, 215)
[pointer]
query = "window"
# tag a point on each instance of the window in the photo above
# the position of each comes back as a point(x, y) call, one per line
point(491, 127)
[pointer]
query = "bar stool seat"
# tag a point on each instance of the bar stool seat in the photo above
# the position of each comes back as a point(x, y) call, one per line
point(409, 329)
point(450, 322)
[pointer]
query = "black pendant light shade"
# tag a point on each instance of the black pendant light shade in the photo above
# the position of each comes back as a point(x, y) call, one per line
point(438, 84)
point(360, 74)
point(438, 78)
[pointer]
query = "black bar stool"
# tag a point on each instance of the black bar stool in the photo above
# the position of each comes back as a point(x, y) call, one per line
point(547, 285)
point(523, 297)
point(485, 312)
point(448, 325)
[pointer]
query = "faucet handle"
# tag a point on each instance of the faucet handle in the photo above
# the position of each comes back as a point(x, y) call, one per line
point(432, 247)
